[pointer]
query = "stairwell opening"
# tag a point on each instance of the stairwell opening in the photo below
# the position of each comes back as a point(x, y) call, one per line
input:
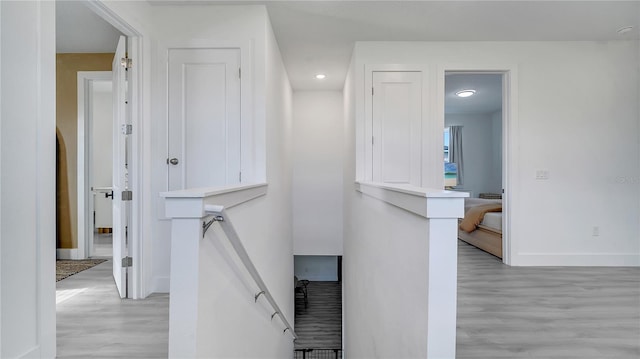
point(318, 307)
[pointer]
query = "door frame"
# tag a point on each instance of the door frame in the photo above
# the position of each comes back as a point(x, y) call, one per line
point(136, 47)
point(85, 165)
point(509, 74)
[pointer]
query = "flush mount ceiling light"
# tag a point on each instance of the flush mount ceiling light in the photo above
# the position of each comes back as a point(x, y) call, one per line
point(465, 93)
point(321, 76)
point(624, 30)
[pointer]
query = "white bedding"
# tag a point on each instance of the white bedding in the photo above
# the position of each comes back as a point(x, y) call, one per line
point(493, 220)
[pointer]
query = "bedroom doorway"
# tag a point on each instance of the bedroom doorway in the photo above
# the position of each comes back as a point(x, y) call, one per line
point(475, 122)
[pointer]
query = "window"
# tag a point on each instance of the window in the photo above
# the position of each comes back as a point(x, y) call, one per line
point(446, 144)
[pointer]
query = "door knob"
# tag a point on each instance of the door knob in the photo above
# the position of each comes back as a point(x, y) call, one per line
point(174, 161)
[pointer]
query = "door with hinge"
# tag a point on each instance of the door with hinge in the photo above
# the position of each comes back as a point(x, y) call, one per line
point(397, 126)
point(121, 194)
point(204, 118)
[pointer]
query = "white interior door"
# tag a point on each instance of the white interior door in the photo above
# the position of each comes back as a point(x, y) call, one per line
point(121, 202)
point(397, 119)
point(204, 118)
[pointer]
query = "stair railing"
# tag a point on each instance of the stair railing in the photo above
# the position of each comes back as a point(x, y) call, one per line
point(219, 215)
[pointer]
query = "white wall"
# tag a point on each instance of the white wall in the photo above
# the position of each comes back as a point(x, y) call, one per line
point(231, 325)
point(477, 147)
point(27, 187)
point(316, 268)
point(317, 172)
point(587, 139)
point(202, 26)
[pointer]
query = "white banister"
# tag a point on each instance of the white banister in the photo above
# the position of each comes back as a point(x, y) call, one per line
point(188, 210)
point(441, 209)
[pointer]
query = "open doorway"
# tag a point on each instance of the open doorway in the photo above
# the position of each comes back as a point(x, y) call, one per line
point(88, 39)
point(95, 159)
point(474, 120)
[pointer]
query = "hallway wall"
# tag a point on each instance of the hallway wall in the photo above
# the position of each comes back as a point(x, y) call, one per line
point(317, 172)
point(587, 139)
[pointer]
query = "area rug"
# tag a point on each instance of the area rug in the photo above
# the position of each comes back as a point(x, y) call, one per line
point(66, 268)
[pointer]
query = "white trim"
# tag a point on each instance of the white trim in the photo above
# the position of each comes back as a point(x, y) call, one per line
point(438, 203)
point(34, 352)
point(183, 202)
point(45, 221)
point(140, 247)
point(510, 181)
point(578, 259)
point(160, 285)
point(85, 149)
point(69, 253)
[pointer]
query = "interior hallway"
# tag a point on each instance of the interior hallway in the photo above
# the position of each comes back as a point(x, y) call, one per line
point(503, 312)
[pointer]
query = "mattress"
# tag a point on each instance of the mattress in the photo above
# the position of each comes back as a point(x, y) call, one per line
point(493, 220)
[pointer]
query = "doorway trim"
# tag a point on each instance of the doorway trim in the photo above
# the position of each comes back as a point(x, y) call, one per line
point(85, 151)
point(509, 74)
point(139, 147)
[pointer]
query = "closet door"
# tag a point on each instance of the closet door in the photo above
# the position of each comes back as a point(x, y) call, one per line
point(204, 118)
point(397, 118)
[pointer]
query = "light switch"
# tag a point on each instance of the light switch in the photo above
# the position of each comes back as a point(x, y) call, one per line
point(542, 174)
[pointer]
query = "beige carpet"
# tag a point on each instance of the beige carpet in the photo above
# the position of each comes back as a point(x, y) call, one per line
point(66, 268)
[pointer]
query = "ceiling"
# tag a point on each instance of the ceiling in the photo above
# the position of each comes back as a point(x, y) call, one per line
point(318, 36)
point(78, 30)
point(487, 99)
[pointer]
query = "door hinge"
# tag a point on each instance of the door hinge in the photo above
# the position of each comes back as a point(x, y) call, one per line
point(127, 129)
point(126, 62)
point(239, 73)
point(127, 195)
point(372, 140)
point(240, 177)
point(372, 91)
point(127, 262)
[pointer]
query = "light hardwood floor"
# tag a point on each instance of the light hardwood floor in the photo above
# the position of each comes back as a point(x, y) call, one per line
point(503, 312)
point(545, 312)
point(93, 322)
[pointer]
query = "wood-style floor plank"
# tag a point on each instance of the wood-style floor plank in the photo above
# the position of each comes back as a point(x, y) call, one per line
point(503, 312)
point(545, 312)
point(93, 322)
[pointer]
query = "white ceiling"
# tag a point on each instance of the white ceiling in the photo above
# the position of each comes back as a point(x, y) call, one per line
point(318, 36)
point(487, 99)
point(79, 30)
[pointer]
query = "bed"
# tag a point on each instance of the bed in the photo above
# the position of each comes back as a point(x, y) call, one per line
point(482, 225)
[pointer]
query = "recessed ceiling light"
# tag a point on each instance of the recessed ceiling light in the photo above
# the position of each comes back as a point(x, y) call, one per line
point(624, 30)
point(321, 76)
point(465, 93)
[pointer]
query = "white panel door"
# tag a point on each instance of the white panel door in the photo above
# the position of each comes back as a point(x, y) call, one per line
point(397, 119)
point(120, 171)
point(204, 118)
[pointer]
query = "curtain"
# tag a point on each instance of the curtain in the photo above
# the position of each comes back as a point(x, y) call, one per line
point(455, 150)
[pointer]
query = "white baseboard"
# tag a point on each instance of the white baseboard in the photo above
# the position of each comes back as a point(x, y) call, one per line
point(32, 353)
point(576, 259)
point(160, 285)
point(68, 253)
